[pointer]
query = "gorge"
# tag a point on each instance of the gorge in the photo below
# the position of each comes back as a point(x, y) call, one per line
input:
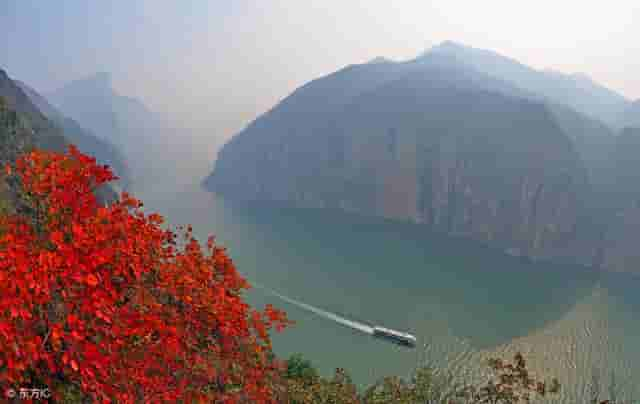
point(465, 141)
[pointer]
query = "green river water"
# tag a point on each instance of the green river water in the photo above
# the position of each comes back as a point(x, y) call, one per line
point(465, 302)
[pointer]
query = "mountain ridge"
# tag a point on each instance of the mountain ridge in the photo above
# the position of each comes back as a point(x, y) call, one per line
point(122, 120)
point(44, 133)
point(585, 96)
point(441, 141)
point(632, 115)
point(47, 136)
point(314, 151)
point(87, 142)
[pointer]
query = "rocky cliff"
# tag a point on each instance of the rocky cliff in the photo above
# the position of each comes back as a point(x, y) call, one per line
point(24, 126)
point(104, 151)
point(632, 115)
point(622, 206)
point(47, 136)
point(432, 141)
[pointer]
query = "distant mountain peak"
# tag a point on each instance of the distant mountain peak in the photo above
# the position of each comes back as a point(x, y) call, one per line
point(582, 76)
point(459, 49)
point(379, 59)
point(453, 49)
point(578, 76)
point(102, 77)
point(100, 80)
point(448, 46)
point(451, 44)
point(97, 83)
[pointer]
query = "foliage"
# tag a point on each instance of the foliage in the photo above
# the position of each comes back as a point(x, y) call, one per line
point(102, 303)
point(511, 384)
point(300, 368)
point(338, 390)
point(425, 386)
point(106, 300)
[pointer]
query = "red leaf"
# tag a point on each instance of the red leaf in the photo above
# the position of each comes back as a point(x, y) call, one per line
point(92, 280)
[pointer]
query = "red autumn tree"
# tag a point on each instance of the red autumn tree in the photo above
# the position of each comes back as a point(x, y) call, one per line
point(108, 300)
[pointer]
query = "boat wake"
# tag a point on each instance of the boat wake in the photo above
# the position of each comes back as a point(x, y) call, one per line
point(356, 325)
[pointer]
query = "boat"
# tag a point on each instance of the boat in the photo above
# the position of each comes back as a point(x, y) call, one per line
point(400, 338)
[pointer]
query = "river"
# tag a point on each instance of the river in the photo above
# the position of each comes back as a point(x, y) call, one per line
point(463, 301)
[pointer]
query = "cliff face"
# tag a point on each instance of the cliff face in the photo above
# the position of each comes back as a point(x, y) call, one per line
point(621, 251)
point(24, 126)
point(431, 141)
point(16, 136)
point(632, 115)
point(47, 136)
point(87, 142)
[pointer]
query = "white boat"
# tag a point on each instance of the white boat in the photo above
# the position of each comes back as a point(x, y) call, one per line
point(401, 338)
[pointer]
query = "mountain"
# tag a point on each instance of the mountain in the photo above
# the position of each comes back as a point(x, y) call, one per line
point(623, 185)
point(46, 135)
point(120, 120)
point(379, 59)
point(623, 192)
point(433, 141)
point(16, 137)
point(632, 115)
point(24, 126)
point(591, 139)
point(102, 150)
point(89, 102)
point(580, 119)
point(575, 90)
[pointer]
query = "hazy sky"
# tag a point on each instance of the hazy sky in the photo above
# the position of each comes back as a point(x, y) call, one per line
point(213, 65)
